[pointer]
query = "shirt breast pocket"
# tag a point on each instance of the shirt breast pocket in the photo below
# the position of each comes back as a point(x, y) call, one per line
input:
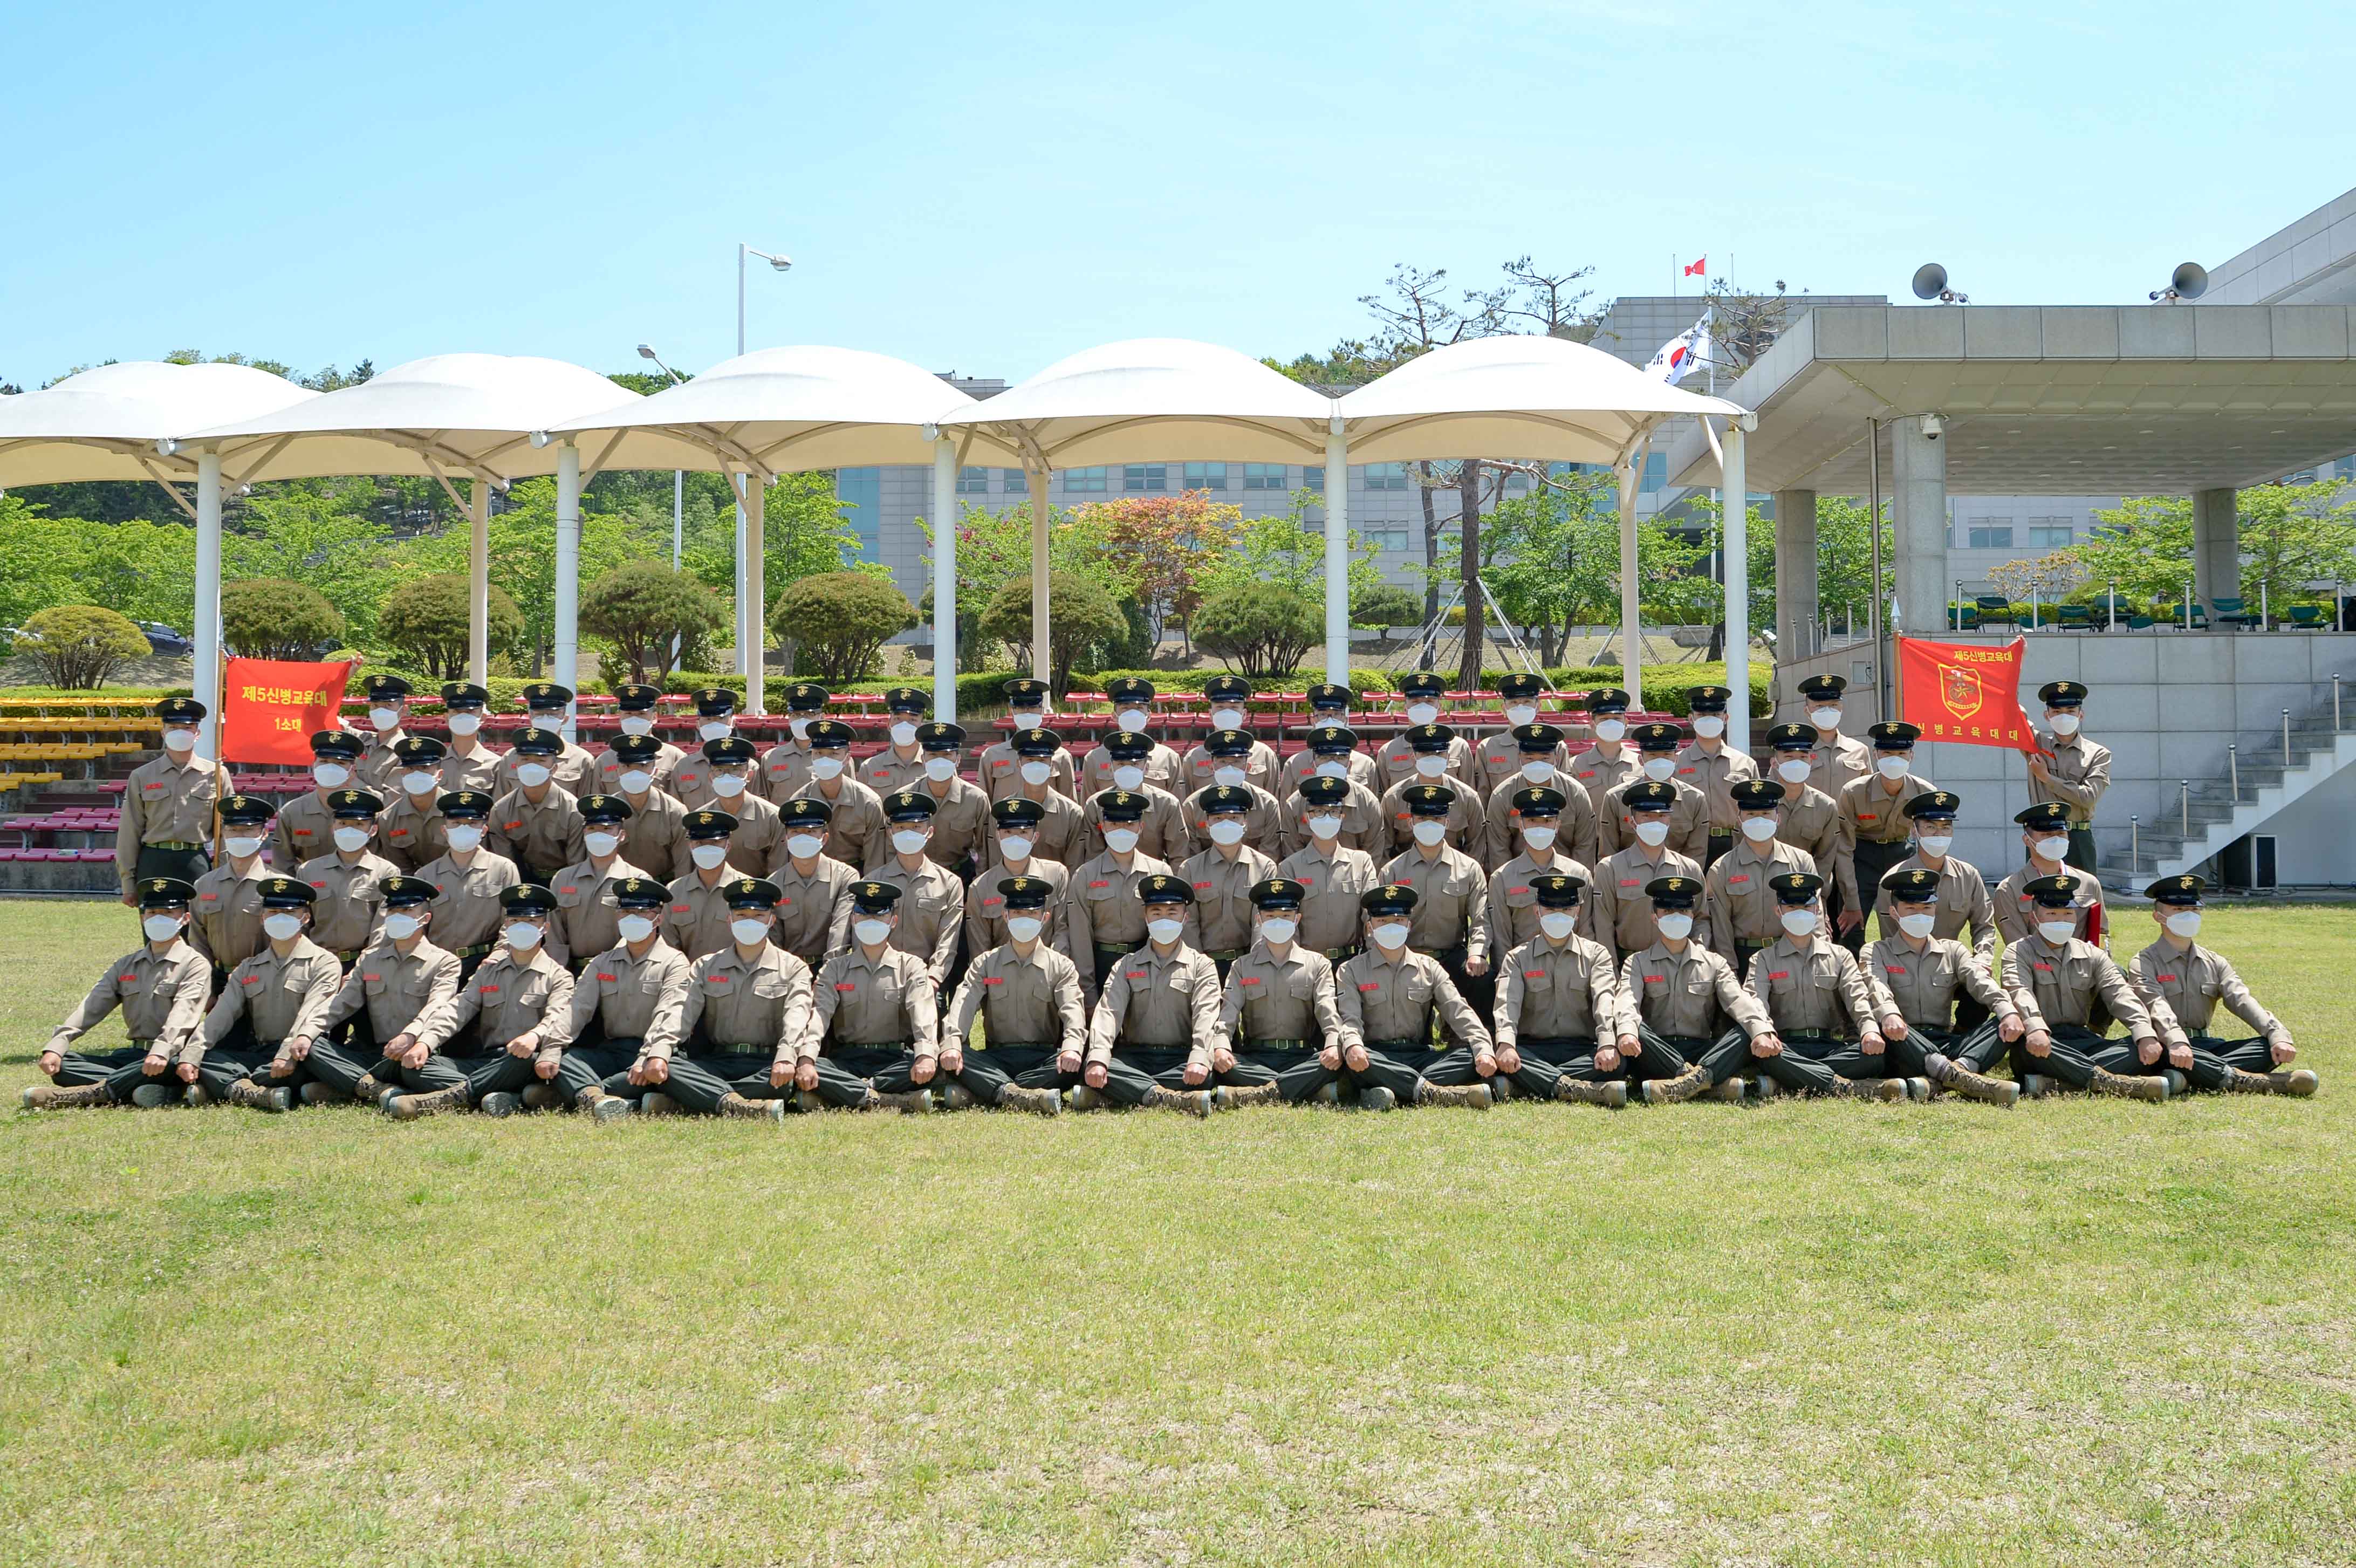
point(2212, 990)
point(649, 982)
point(1457, 883)
point(770, 987)
point(1783, 985)
point(1538, 982)
point(1521, 897)
point(888, 985)
point(376, 985)
point(1301, 987)
point(1698, 985)
point(1417, 989)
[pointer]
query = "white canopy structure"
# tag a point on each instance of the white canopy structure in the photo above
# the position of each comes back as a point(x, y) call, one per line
point(1147, 398)
point(446, 416)
point(780, 411)
point(1548, 399)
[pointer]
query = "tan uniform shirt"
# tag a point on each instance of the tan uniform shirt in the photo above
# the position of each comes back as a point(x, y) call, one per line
point(1164, 770)
point(1615, 828)
point(2016, 911)
point(408, 836)
point(642, 999)
point(765, 1006)
point(165, 801)
point(1382, 1003)
point(1061, 836)
point(505, 997)
point(1963, 903)
point(572, 770)
point(1811, 824)
point(348, 913)
point(858, 816)
point(2187, 988)
point(1331, 918)
point(1869, 813)
point(1833, 765)
point(1715, 775)
point(1364, 825)
point(1452, 904)
point(1499, 757)
point(163, 1000)
point(1302, 764)
point(1267, 999)
point(304, 830)
point(1262, 769)
point(404, 994)
point(1223, 905)
point(1467, 820)
point(932, 916)
point(887, 772)
point(654, 838)
point(1599, 774)
point(891, 1002)
point(1395, 765)
point(477, 771)
point(759, 839)
point(1001, 773)
point(1159, 1000)
point(1033, 1001)
point(379, 771)
point(1567, 992)
point(1921, 987)
point(1623, 911)
point(807, 907)
point(961, 827)
point(586, 920)
point(225, 923)
point(2078, 772)
point(1101, 908)
point(467, 912)
point(1576, 834)
point(1161, 833)
point(1513, 901)
point(985, 905)
point(1812, 985)
point(542, 834)
point(1264, 823)
point(2060, 985)
point(695, 916)
point(784, 771)
point(1691, 994)
point(282, 998)
point(1735, 900)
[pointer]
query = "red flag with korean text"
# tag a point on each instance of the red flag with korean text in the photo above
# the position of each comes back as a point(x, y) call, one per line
point(1965, 693)
point(272, 708)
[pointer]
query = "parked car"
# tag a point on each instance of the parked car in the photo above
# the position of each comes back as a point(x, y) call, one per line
point(164, 639)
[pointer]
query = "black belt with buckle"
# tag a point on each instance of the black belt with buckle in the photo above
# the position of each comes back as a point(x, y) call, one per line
point(1279, 1048)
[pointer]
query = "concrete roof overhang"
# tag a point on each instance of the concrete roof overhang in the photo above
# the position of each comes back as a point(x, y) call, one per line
point(2071, 400)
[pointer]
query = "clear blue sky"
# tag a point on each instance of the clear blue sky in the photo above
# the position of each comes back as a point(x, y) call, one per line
point(986, 187)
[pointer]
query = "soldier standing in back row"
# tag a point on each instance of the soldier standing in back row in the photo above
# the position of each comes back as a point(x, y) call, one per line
point(1396, 763)
point(2075, 773)
point(635, 707)
point(1500, 756)
point(549, 708)
point(2186, 983)
point(1714, 768)
point(691, 777)
point(168, 820)
point(1205, 764)
point(388, 706)
point(1609, 761)
point(162, 987)
point(468, 764)
point(1328, 709)
point(1002, 765)
point(1132, 705)
point(227, 929)
point(784, 767)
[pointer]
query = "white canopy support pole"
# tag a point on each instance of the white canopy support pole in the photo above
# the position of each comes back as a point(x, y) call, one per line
point(1737, 536)
point(751, 656)
point(478, 583)
point(1337, 553)
point(568, 571)
point(1632, 637)
point(1042, 667)
point(945, 621)
point(205, 636)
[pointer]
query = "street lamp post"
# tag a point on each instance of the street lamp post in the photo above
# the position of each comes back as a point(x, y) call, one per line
point(678, 475)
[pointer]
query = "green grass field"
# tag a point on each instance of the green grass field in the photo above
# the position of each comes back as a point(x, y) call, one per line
point(2077, 1332)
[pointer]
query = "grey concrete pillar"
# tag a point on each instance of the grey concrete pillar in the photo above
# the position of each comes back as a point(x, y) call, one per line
point(1795, 575)
point(2216, 545)
point(1918, 529)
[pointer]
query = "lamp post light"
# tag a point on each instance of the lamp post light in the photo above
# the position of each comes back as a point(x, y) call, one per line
point(744, 252)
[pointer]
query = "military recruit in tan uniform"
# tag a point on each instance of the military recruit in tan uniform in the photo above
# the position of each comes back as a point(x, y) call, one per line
point(1452, 919)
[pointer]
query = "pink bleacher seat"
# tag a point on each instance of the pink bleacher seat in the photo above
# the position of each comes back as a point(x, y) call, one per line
point(93, 856)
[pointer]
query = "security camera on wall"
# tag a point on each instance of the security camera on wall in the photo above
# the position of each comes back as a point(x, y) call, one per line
point(1933, 427)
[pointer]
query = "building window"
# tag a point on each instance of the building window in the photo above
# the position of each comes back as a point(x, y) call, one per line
point(1313, 478)
point(1264, 475)
point(2049, 534)
point(859, 498)
point(1991, 533)
point(1656, 474)
point(973, 481)
point(1386, 538)
point(1206, 476)
point(1014, 481)
point(1386, 476)
point(1089, 479)
point(1145, 477)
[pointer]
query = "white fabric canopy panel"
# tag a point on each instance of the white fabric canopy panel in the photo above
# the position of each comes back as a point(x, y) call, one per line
point(104, 424)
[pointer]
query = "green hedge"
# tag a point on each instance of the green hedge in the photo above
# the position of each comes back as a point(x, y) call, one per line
point(1666, 685)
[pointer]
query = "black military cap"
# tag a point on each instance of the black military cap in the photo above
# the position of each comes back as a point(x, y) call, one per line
point(713, 702)
point(1673, 892)
point(1893, 736)
point(1120, 805)
point(729, 750)
point(2061, 693)
point(803, 812)
point(1126, 746)
point(1657, 736)
point(807, 697)
point(527, 898)
point(1524, 685)
point(1421, 683)
point(419, 749)
point(1015, 811)
point(340, 745)
point(1321, 791)
point(1794, 886)
point(546, 694)
point(1331, 740)
point(2047, 817)
point(827, 734)
point(180, 711)
point(286, 893)
point(1390, 898)
point(1428, 799)
point(539, 743)
point(1224, 798)
point(940, 737)
point(1607, 700)
point(1330, 696)
point(1278, 893)
point(460, 805)
point(1649, 795)
point(1536, 740)
point(353, 805)
point(401, 891)
point(1234, 688)
point(1538, 801)
point(709, 824)
point(873, 898)
point(1130, 689)
point(1792, 738)
point(2052, 892)
point(464, 694)
point(1036, 743)
point(384, 686)
point(636, 697)
point(1161, 887)
point(1825, 688)
point(1024, 692)
point(750, 893)
point(1227, 743)
point(905, 699)
point(637, 748)
point(1934, 805)
point(1428, 739)
point(1708, 699)
point(1759, 794)
point(2185, 889)
point(604, 809)
point(246, 810)
point(1025, 892)
point(639, 893)
point(909, 806)
point(1914, 885)
point(165, 893)
point(1559, 890)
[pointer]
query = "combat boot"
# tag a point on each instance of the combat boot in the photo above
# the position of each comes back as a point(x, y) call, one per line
point(655, 1102)
point(956, 1096)
point(1888, 1090)
point(1971, 1085)
point(1234, 1096)
point(1087, 1099)
point(914, 1102)
point(1728, 1092)
point(542, 1097)
point(317, 1093)
point(807, 1101)
point(1501, 1089)
point(410, 1106)
point(49, 1096)
point(1375, 1097)
point(148, 1096)
point(1328, 1094)
point(372, 1088)
point(604, 1107)
point(499, 1102)
point(2299, 1081)
point(1038, 1101)
point(2150, 1090)
point(1671, 1090)
point(199, 1094)
point(1188, 1101)
point(1476, 1095)
point(253, 1097)
point(1611, 1092)
point(734, 1104)
point(1764, 1089)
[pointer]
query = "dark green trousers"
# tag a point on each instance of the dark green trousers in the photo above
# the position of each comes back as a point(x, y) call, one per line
point(2081, 852)
point(1871, 862)
point(1539, 1072)
point(76, 1069)
point(342, 1067)
point(1792, 1068)
point(1129, 1077)
point(844, 1071)
point(605, 1065)
point(184, 864)
point(2071, 1060)
point(701, 1081)
point(1295, 1071)
point(1977, 1049)
point(2212, 1060)
point(1661, 1058)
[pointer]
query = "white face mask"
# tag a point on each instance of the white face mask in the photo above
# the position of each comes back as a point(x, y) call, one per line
point(826, 768)
point(400, 927)
point(1709, 727)
point(1825, 718)
point(911, 840)
point(798, 728)
point(2057, 931)
point(711, 729)
point(531, 775)
point(709, 856)
point(601, 844)
point(1165, 930)
point(1934, 843)
point(904, 733)
point(521, 935)
point(1226, 829)
point(637, 724)
point(1677, 927)
point(1539, 838)
point(940, 770)
point(1037, 773)
point(1652, 835)
point(1422, 714)
point(179, 739)
point(385, 719)
point(872, 932)
point(1890, 766)
point(283, 928)
point(1431, 765)
point(1917, 926)
point(635, 927)
point(1611, 729)
point(1024, 928)
point(1759, 830)
point(1520, 713)
point(635, 782)
point(1129, 777)
point(1430, 834)
point(242, 848)
point(1279, 929)
point(1332, 767)
point(748, 932)
point(330, 775)
point(463, 839)
point(1390, 936)
point(2063, 723)
point(1799, 922)
point(1659, 768)
point(1014, 846)
point(2185, 925)
point(1132, 721)
point(1558, 924)
point(2051, 848)
point(161, 927)
point(1537, 770)
point(1226, 718)
point(420, 783)
point(1120, 841)
point(728, 786)
point(1232, 777)
point(804, 846)
point(466, 724)
point(351, 839)
point(1794, 770)
point(1325, 827)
